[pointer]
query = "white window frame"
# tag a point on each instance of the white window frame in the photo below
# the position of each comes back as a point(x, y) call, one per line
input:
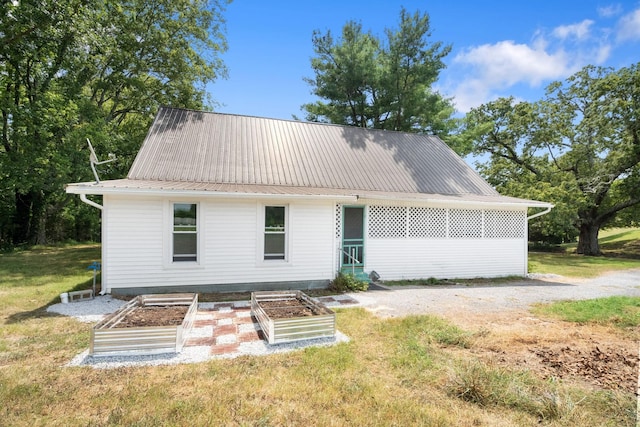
point(263, 232)
point(169, 244)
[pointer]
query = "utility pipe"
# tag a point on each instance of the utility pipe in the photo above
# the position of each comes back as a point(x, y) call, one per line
point(83, 197)
point(540, 213)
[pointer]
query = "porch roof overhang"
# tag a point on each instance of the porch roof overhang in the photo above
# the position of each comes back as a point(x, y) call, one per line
point(225, 190)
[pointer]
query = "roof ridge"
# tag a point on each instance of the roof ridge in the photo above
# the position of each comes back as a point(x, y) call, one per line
point(295, 121)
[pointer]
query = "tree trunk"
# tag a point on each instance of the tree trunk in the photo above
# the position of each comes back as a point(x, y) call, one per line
point(28, 224)
point(22, 229)
point(588, 239)
point(41, 235)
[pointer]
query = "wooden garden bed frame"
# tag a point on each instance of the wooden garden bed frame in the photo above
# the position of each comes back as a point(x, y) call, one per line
point(109, 340)
point(283, 330)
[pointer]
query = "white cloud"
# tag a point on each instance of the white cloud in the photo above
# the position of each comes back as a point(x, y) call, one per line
point(580, 30)
point(482, 73)
point(493, 68)
point(602, 53)
point(629, 26)
point(611, 10)
point(506, 63)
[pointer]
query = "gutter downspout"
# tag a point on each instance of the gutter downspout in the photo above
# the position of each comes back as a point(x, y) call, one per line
point(540, 213)
point(535, 215)
point(84, 198)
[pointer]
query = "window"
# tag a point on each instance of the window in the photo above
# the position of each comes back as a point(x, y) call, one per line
point(274, 232)
point(185, 232)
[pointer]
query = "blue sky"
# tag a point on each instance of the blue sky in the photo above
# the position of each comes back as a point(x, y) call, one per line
point(499, 48)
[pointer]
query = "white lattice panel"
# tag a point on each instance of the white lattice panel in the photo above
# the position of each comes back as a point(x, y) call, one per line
point(504, 224)
point(427, 223)
point(465, 224)
point(338, 222)
point(387, 222)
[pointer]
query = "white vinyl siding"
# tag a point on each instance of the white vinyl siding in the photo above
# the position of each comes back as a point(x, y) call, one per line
point(405, 241)
point(133, 240)
point(137, 243)
point(395, 259)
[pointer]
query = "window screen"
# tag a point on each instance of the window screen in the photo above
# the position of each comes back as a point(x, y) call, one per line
point(274, 232)
point(185, 232)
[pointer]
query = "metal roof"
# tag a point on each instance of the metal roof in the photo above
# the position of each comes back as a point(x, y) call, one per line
point(217, 154)
point(193, 146)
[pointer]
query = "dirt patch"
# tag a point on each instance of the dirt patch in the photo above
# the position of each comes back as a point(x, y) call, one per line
point(154, 316)
point(607, 367)
point(600, 356)
point(288, 308)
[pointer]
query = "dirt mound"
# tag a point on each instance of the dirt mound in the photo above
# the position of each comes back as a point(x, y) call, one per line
point(602, 356)
point(607, 367)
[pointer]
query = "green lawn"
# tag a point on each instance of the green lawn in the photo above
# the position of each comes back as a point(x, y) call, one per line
point(36, 277)
point(418, 370)
point(621, 248)
point(619, 311)
point(571, 265)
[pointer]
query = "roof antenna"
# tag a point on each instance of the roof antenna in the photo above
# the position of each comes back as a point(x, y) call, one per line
point(94, 160)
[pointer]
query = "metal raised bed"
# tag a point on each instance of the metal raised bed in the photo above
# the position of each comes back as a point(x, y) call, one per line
point(107, 339)
point(280, 330)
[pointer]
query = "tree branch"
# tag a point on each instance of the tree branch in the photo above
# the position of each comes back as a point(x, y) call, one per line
point(511, 154)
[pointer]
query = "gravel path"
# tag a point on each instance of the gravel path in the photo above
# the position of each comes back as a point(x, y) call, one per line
point(400, 301)
point(476, 299)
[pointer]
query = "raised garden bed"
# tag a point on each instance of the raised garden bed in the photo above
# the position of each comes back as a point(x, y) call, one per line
point(286, 316)
point(148, 324)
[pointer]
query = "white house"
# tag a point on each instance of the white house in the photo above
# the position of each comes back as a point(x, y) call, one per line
point(219, 202)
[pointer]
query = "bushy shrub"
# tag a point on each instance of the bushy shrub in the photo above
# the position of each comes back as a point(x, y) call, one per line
point(348, 283)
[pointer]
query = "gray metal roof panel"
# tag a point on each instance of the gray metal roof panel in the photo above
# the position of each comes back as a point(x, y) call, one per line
point(193, 146)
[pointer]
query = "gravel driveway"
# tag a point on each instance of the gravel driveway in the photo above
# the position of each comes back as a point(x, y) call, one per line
point(520, 294)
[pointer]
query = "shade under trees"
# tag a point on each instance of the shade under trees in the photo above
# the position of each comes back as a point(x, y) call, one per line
point(579, 148)
point(77, 69)
point(363, 80)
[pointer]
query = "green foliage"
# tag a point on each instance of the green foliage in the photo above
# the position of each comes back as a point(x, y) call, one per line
point(77, 69)
point(578, 148)
point(367, 82)
point(619, 311)
point(348, 283)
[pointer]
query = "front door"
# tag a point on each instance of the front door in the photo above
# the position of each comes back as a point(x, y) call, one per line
point(353, 237)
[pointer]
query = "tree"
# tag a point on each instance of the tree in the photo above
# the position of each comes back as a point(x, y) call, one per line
point(72, 69)
point(363, 81)
point(582, 141)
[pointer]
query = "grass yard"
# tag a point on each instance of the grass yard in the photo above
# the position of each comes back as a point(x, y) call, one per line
point(620, 246)
point(418, 370)
point(620, 311)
